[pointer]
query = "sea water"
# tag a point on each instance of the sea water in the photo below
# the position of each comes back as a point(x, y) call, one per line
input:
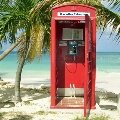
point(108, 62)
point(39, 69)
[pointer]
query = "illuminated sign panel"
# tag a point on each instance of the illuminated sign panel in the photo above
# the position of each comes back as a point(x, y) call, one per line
point(72, 13)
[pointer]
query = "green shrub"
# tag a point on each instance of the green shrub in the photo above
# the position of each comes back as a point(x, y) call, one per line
point(2, 115)
point(95, 117)
point(40, 113)
point(22, 117)
point(77, 118)
point(101, 117)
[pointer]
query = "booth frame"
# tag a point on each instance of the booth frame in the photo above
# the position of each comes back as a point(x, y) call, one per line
point(88, 104)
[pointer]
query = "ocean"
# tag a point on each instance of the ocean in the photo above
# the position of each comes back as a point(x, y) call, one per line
point(39, 70)
point(108, 62)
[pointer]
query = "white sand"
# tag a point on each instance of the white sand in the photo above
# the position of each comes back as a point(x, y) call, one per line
point(109, 82)
point(30, 82)
point(39, 106)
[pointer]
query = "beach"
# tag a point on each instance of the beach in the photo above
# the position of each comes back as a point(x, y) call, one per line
point(35, 105)
point(107, 81)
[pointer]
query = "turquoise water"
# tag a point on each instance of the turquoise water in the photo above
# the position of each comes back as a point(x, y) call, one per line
point(106, 62)
point(39, 68)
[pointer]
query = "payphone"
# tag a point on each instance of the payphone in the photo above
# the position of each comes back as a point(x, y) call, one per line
point(70, 40)
point(73, 57)
point(72, 47)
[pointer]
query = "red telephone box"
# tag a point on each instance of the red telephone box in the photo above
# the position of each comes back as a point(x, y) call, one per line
point(73, 57)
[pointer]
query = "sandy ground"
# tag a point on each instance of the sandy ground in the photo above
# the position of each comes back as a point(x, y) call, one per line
point(108, 81)
point(36, 101)
point(105, 80)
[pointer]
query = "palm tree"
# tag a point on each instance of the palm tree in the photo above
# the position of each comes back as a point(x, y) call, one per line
point(31, 18)
point(19, 16)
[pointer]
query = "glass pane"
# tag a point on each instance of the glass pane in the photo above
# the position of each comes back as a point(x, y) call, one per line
point(67, 34)
point(77, 34)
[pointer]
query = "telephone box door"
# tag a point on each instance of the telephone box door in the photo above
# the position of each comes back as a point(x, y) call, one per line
point(88, 65)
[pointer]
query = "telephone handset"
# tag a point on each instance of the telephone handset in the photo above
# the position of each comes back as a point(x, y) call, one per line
point(72, 47)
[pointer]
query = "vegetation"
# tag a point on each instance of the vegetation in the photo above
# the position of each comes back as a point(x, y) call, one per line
point(19, 18)
point(1, 115)
point(96, 117)
point(102, 117)
point(45, 113)
point(21, 116)
point(44, 90)
point(14, 116)
point(26, 24)
point(40, 113)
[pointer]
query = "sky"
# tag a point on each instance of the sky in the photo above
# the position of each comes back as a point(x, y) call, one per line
point(107, 43)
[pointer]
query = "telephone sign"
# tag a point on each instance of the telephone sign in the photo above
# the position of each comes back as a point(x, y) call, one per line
point(73, 13)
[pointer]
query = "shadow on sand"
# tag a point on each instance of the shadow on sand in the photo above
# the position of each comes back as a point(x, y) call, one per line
point(7, 94)
point(15, 116)
point(22, 117)
point(101, 94)
point(7, 99)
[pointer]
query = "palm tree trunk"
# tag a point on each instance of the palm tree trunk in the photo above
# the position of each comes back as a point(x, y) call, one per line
point(18, 80)
point(19, 69)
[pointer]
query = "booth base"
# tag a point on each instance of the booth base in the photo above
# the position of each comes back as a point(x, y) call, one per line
point(70, 102)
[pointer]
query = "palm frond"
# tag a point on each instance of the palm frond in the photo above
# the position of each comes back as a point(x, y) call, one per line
point(4, 2)
point(105, 17)
point(46, 42)
point(36, 42)
point(9, 25)
point(10, 21)
point(114, 3)
point(24, 5)
point(37, 7)
point(7, 30)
